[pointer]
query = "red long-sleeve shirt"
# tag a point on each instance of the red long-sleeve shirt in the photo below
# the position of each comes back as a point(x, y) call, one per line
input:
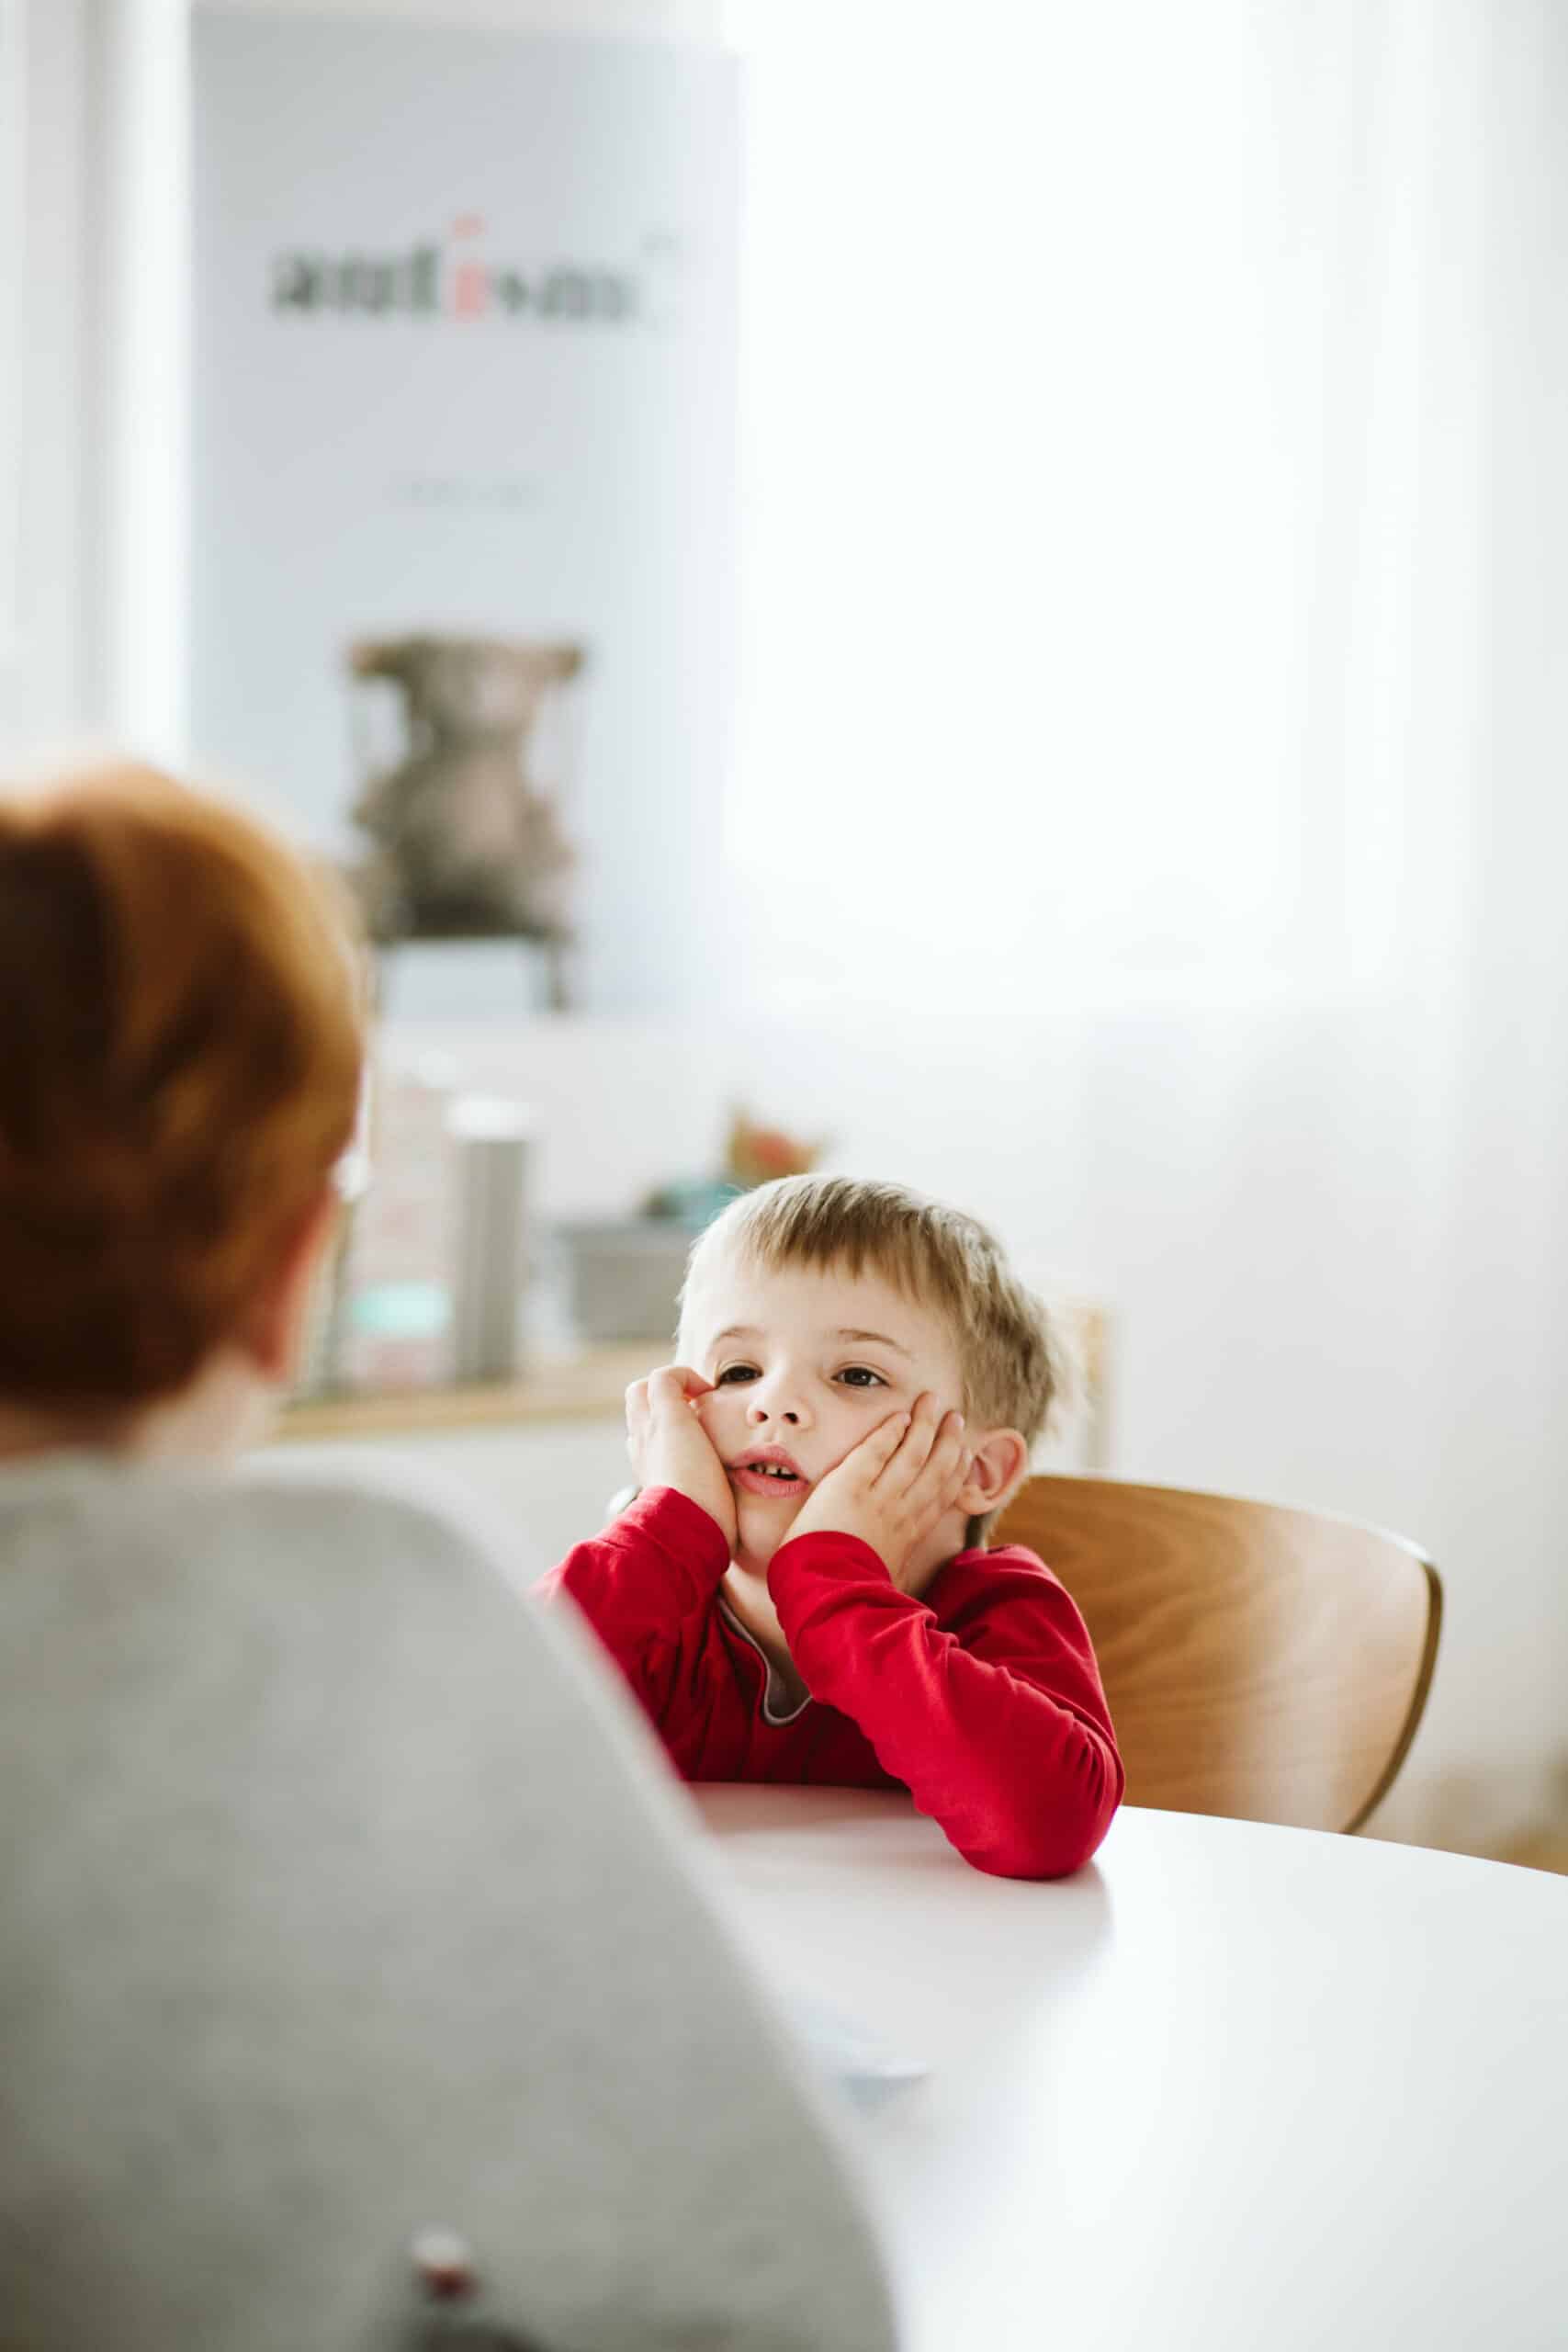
point(982, 1697)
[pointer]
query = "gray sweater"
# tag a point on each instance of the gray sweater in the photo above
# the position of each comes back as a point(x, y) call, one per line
point(341, 1899)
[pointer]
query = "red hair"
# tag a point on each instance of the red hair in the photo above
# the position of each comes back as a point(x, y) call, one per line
point(181, 1042)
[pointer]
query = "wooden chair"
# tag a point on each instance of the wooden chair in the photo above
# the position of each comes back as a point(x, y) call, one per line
point(1267, 1664)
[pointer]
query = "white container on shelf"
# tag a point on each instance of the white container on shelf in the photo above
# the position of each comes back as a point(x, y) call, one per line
point(489, 1136)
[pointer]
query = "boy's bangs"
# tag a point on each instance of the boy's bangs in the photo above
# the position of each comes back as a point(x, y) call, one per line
point(904, 1261)
point(837, 1224)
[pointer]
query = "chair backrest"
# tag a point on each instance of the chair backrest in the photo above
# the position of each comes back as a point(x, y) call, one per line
point(1264, 1663)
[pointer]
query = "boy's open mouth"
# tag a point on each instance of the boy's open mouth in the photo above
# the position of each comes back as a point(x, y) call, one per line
point(770, 1472)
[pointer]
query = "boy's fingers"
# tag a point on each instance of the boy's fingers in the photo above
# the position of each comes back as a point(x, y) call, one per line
point(958, 1478)
point(676, 1384)
point(948, 1454)
point(949, 1438)
point(919, 1439)
point(947, 1464)
point(883, 1443)
point(930, 1419)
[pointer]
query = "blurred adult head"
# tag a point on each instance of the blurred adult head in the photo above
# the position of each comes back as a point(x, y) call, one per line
point(181, 1043)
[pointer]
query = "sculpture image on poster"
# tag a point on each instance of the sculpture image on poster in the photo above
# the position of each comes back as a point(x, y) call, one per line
point(465, 844)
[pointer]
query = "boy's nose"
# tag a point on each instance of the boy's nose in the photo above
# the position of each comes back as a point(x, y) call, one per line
point(765, 1405)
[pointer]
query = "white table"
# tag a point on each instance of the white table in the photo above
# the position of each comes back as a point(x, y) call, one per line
point(1242, 2089)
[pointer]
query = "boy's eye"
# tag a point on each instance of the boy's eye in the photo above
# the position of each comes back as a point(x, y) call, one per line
point(734, 1372)
point(861, 1376)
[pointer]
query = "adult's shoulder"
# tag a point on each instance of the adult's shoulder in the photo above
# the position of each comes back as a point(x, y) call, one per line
point(280, 1577)
point(327, 1523)
point(80, 1498)
point(376, 1513)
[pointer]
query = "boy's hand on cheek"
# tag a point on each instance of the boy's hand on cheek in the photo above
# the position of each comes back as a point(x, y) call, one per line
point(896, 1487)
point(670, 1447)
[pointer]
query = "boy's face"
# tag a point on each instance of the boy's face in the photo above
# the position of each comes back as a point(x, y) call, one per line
point(805, 1363)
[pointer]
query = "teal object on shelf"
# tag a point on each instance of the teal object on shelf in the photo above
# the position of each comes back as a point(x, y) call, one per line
point(401, 1311)
point(694, 1202)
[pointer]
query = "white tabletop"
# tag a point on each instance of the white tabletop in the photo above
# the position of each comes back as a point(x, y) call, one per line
point(1231, 2086)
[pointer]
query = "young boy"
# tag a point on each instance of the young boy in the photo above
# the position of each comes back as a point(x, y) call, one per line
point(800, 1591)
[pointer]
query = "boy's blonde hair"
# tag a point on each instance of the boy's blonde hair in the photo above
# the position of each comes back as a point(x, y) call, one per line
point(1009, 1355)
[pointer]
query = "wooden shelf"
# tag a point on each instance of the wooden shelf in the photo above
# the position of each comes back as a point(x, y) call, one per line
point(592, 1385)
point(586, 1388)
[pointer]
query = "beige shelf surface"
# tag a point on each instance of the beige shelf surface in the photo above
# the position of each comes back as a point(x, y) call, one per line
point(589, 1387)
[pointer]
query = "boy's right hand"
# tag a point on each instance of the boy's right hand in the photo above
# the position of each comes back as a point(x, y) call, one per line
point(670, 1447)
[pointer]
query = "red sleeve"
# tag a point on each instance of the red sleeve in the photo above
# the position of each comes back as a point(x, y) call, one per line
point(645, 1586)
point(999, 1731)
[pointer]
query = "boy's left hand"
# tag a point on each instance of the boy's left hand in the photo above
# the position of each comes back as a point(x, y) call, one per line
point(895, 1487)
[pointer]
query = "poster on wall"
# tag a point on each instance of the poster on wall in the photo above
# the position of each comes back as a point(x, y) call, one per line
point(463, 487)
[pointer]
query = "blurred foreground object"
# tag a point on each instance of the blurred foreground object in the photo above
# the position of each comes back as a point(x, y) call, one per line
point(465, 845)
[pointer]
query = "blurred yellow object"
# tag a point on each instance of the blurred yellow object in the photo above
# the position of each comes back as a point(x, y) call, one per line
point(757, 1155)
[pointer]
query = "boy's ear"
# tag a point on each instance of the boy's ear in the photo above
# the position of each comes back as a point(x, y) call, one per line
point(999, 1469)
